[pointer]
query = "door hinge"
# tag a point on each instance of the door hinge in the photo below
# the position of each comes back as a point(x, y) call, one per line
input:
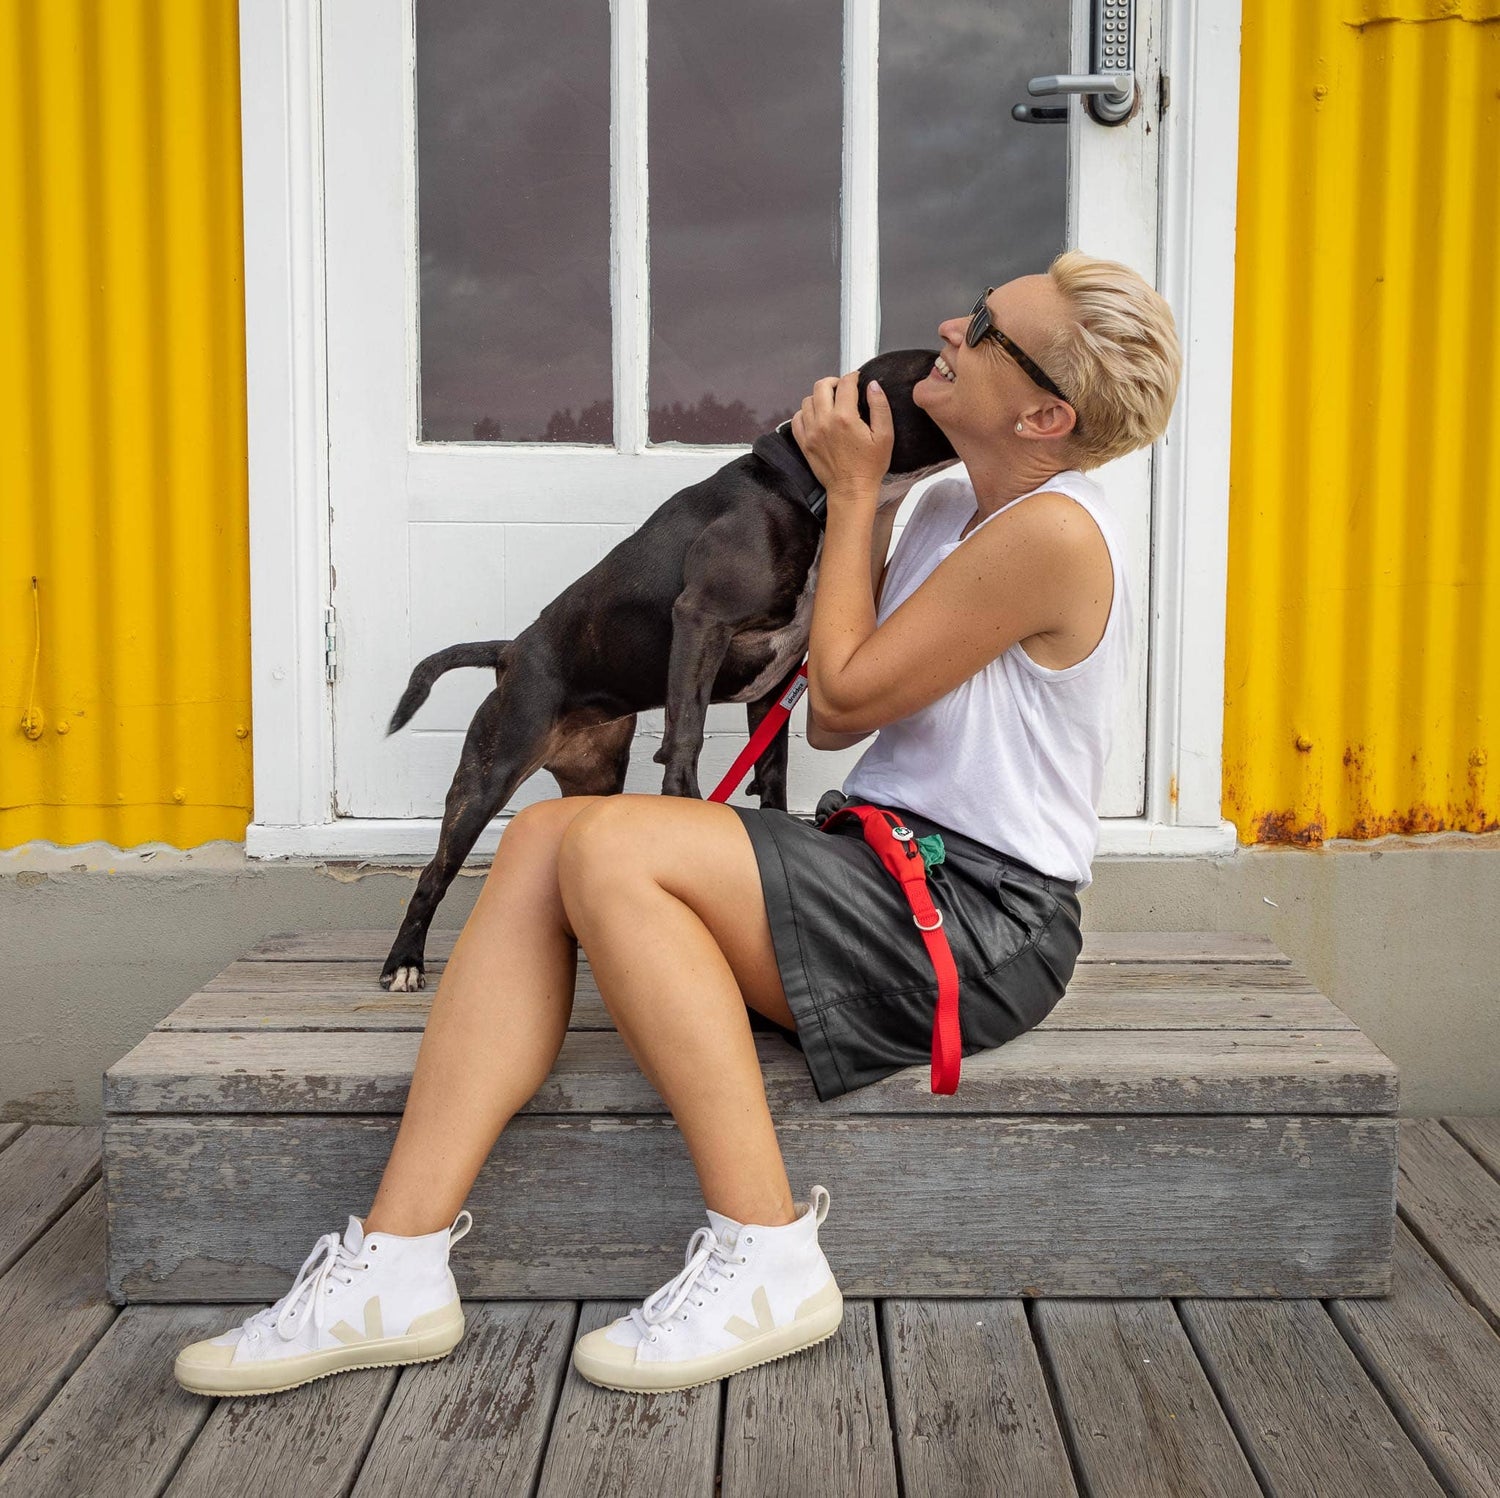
point(331, 644)
point(1163, 94)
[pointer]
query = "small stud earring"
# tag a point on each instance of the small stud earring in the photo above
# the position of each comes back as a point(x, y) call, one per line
point(1018, 426)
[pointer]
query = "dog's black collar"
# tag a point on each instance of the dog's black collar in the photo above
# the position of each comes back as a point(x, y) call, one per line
point(780, 450)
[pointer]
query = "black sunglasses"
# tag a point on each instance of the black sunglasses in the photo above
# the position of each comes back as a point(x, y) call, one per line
point(980, 326)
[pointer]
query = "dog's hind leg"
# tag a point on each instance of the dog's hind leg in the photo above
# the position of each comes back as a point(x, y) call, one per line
point(510, 736)
point(593, 761)
point(700, 640)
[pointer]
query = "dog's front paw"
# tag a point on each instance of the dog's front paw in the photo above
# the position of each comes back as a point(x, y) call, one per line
point(407, 978)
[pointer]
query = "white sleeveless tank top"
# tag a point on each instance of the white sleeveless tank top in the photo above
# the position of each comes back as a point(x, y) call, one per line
point(1013, 756)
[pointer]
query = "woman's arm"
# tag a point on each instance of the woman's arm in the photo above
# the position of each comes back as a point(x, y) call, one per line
point(1020, 574)
point(1033, 570)
point(819, 737)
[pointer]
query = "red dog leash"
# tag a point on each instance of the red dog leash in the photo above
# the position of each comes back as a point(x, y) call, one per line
point(767, 730)
point(896, 847)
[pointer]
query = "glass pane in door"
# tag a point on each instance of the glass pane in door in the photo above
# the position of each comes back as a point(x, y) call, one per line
point(512, 106)
point(745, 120)
point(969, 197)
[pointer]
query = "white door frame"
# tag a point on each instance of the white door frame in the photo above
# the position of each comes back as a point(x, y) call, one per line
point(286, 336)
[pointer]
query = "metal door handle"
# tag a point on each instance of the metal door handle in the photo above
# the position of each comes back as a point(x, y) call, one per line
point(1113, 95)
point(1110, 88)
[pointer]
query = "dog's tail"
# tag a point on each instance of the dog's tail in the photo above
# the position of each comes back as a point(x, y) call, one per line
point(490, 653)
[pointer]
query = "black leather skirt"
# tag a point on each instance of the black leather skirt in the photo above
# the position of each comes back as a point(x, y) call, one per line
point(854, 966)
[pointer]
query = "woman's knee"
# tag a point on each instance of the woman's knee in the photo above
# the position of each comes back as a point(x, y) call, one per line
point(530, 870)
point(534, 837)
point(602, 842)
point(543, 823)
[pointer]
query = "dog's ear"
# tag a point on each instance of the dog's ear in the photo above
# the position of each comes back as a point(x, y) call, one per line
point(919, 441)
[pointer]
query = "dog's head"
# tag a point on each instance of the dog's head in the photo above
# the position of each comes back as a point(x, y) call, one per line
point(919, 442)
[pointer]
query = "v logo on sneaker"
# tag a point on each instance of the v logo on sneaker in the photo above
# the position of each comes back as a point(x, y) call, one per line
point(765, 1322)
point(374, 1326)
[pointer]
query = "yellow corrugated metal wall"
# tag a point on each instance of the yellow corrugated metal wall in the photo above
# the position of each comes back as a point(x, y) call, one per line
point(125, 671)
point(1363, 658)
point(1362, 676)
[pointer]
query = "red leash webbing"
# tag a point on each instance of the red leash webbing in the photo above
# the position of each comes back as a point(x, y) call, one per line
point(778, 713)
point(896, 847)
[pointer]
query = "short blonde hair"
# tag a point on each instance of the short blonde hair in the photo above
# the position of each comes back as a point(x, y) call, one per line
point(1118, 361)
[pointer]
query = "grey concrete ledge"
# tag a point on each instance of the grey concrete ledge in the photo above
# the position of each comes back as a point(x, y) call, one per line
point(154, 858)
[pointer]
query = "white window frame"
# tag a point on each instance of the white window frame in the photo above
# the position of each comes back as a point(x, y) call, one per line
point(286, 334)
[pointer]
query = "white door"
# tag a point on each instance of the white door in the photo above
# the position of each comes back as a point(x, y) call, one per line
point(578, 256)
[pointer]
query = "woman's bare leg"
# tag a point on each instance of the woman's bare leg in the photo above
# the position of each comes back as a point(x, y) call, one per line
point(497, 1022)
point(680, 944)
point(665, 895)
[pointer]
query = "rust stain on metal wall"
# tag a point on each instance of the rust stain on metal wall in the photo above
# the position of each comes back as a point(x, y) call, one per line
point(124, 670)
point(1362, 670)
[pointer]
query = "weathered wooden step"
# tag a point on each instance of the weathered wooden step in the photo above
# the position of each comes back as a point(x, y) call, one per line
point(279, 995)
point(227, 1207)
point(354, 945)
point(1052, 1070)
point(1193, 1118)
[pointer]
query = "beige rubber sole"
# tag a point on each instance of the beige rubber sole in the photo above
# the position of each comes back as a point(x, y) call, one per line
point(433, 1336)
point(661, 1378)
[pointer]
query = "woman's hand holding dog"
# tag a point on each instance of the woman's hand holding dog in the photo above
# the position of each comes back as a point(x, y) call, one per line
point(849, 457)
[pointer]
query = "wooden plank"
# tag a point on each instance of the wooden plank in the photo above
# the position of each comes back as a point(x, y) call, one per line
point(1088, 1005)
point(292, 1010)
point(608, 1442)
point(1146, 984)
point(1045, 1070)
point(1306, 1415)
point(1453, 1203)
point(1438, 1364)
point(968, 1400)
point(53, 1309)
point(204, 1207)
point(1481, 1136)
point(816, 1421)
point(9, 1133)
point(121, 1423)
point(245, 975)
point(255, 976)
point(42, 1172)
point(269, 1446)
point(355, 945)
point(1179, 946)
point(351, 945)
point(1140, 1412)
point(477, 1421)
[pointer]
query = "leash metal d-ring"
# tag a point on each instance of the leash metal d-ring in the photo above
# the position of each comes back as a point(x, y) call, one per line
point(933, 927)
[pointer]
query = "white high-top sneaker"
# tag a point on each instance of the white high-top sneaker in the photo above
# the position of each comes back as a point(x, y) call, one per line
point(747, 1294)
point(373, 1301)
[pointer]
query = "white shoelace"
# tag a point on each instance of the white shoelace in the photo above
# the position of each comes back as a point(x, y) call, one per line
point(305, 1298)
point(705, 1259)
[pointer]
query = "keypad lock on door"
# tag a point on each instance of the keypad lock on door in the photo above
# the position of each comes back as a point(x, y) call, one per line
point(1109, 90)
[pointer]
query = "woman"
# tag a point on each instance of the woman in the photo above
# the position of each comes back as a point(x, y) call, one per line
point(990, 674)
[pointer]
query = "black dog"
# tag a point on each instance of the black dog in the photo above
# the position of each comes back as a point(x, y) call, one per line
point(710, 600)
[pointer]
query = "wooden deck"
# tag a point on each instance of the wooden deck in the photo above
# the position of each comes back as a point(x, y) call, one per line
point(943, 1397)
